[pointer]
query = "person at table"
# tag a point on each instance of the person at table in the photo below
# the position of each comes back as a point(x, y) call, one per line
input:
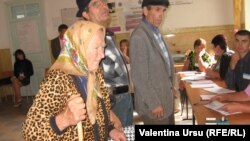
point(222, 57)
point(238, 75)
point(197, 60)
point(234, 99)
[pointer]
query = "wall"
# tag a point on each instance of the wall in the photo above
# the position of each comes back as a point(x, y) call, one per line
point(247, 14)
point(179, 16)
point(199, 13)
point(185, 37)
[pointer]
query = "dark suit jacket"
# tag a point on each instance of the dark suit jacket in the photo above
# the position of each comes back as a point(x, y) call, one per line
point(55, 47)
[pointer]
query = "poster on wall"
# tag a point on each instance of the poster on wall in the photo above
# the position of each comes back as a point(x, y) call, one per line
point(28, 39)
point(117, 20)
point(126, 14)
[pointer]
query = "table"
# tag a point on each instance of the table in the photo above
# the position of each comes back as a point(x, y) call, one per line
point(201, 112)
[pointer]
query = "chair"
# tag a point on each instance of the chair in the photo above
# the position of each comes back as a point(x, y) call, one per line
point(6, 90)
point(26, 91)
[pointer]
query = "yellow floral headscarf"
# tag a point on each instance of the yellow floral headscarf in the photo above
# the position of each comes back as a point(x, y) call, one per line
point(72, 59)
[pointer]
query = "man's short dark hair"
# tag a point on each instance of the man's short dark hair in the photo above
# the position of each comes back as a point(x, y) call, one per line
point(221, 41)
point(155, 2)
point(62, 27)
point(243, 32)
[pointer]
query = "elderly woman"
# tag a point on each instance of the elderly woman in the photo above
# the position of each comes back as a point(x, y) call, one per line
point(72, 97)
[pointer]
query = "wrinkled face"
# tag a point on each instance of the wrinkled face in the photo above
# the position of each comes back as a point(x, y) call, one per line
point(95, 50)
point(154, 14)
point(98, 12)
point(242, 44)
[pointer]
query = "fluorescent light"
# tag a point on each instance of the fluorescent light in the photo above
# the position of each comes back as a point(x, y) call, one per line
point(169, 35)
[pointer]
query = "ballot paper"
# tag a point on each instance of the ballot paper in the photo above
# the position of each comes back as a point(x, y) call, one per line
point(194, 77)
point(206, 96)
point(203, 85)
point(188, 72)
point(201, 82)
point(216, 105)
point(219, 90)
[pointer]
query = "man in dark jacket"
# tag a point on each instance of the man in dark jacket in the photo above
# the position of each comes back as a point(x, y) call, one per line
point(57, 43)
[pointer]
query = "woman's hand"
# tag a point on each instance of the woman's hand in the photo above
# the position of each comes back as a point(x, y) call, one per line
point(221, 98)
point(117, 135)
point(114, 119)
point(74, 112)
point(231, 107)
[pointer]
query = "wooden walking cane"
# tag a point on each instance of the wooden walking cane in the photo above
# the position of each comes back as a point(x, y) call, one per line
point(79, 130)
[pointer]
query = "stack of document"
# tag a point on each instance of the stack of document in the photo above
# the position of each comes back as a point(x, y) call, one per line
point(202, 84)
point(194, 77)
point(188, 72)
point(216, 105)
point(215, 90)
point(206, 96)
point(219, 90)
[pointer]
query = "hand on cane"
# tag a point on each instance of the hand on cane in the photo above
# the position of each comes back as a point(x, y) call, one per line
point(74, 112)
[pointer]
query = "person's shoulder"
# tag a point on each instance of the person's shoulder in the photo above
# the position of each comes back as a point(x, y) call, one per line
point(247, 56)
point(191, 54)
point(27, 60)
point(141, 32)
point(138, 28)
point(58, 75)
point(54, 39)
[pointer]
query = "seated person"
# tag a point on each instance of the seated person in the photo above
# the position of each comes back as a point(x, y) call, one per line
point(222, 58)
point(23, 69)
point(197, 60)
point(234, 98)
point(237, 77)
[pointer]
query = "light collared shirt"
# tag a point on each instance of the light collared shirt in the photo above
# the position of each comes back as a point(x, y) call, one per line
point(247, 90)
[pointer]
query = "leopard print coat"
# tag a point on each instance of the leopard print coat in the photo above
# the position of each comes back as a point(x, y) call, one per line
point(55, 90)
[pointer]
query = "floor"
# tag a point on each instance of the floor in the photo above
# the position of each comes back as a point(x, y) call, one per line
point(11, 119)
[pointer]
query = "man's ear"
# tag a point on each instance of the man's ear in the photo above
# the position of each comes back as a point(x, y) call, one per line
point(145, 10)
point(85, 15)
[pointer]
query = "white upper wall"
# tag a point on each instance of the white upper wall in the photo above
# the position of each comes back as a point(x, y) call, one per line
point(53, 14)
point(199, 13)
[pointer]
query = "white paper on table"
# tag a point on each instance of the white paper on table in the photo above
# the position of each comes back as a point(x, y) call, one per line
point(219, 90)
point(206, 96)
point(202, 82)
point(216, 105)
point(203, 85)
point(194, 77)
point(187, 72)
